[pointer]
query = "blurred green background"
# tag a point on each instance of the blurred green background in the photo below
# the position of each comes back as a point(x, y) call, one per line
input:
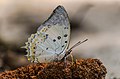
point(97, 20)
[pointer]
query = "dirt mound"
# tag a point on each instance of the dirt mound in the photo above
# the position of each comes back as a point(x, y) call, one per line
point(82, 69)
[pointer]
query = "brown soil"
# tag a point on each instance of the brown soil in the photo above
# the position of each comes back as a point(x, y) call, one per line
point(80, 69)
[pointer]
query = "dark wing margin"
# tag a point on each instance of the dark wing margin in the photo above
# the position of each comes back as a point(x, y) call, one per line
point(59, 16)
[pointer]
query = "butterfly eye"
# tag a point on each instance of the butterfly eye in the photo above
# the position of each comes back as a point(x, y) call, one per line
point(59, 37)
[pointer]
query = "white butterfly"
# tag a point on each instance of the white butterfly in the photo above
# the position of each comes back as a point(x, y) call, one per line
point(51, 41)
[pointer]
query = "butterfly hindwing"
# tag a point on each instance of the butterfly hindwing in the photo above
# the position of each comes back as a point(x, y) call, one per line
point(52, 38)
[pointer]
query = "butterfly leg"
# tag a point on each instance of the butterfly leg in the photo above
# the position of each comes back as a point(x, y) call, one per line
point(56, 57)
point(72, 58)
point(37, 60)
point(65, 62)
point(33, 58)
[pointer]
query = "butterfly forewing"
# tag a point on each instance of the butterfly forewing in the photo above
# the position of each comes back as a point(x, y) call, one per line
point(52, 38)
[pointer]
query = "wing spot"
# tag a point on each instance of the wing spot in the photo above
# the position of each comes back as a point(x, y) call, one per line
point(65, 35)
point(47, 48)
point(65, 27)
point(46, 34)
point(49, 26)
point(54, 40)
point(62, 45)
point(65, 41)
point(33, 47)
point(59, 37)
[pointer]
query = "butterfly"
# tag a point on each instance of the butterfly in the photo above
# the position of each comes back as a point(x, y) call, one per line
point(51, 41)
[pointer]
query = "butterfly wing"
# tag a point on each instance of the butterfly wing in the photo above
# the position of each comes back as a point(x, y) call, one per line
point(52, 38)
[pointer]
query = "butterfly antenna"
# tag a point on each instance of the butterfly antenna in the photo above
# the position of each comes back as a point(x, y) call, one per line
point(77, 44)
point(69, 51)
